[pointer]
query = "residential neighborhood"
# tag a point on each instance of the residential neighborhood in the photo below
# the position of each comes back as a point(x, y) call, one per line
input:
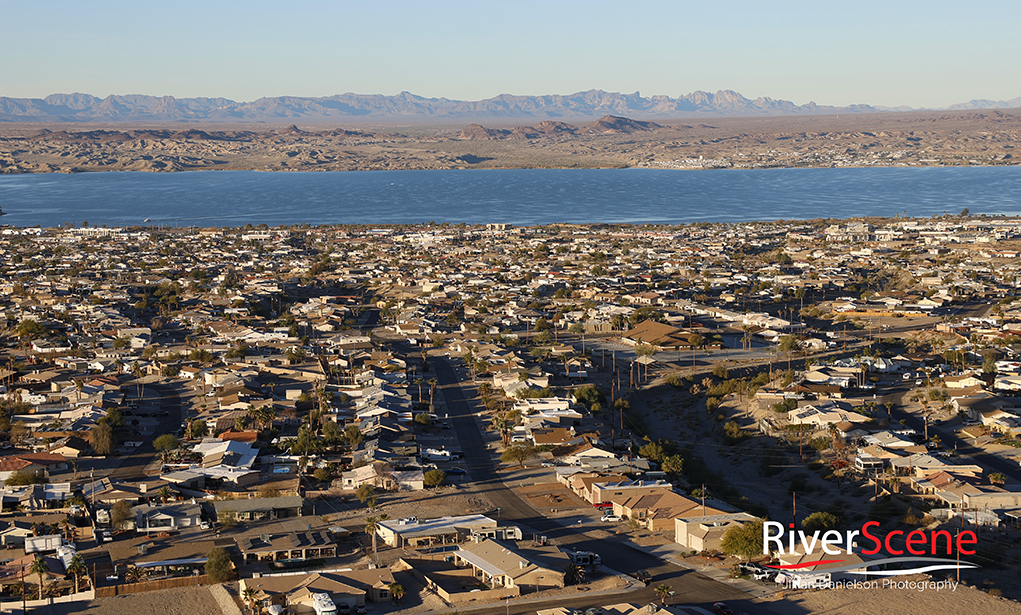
point(555, 419)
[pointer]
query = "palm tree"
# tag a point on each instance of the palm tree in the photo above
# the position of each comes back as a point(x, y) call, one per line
point(790, 345)
point(40, 568)
point(503, 424)
point(136, 371)
point(663, 591)
point(249, 596)
point(432, 391)
point(371, 523)
point(396, 592)
point(695, 341)
point(77, 568)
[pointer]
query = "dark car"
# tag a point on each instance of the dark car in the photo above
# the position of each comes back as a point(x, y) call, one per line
point(722, 609)
point(456, 471)
point(643, 576)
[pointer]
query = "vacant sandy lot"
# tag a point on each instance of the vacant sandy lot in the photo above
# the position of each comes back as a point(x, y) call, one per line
point(178, 601)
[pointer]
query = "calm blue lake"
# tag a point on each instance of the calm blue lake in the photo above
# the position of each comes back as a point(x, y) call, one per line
point(524, 197)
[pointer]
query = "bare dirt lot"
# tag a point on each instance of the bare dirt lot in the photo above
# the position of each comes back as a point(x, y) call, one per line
point(178, 601)
point(551, 497)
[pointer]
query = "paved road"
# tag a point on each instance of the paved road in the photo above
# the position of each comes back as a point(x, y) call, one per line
point(690, 587)
point(131, 467)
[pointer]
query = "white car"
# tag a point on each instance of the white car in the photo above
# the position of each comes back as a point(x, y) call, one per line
point(611, 518)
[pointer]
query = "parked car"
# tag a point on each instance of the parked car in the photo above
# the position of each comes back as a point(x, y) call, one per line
point(643, 576)
point(610, 518)
point(722, 609)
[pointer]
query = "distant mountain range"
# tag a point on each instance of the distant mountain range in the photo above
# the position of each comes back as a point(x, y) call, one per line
point(409, 107)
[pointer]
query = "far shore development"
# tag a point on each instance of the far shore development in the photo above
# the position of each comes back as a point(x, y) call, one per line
point(490, 418)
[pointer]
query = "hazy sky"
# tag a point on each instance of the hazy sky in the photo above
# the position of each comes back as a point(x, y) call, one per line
point(894, 52)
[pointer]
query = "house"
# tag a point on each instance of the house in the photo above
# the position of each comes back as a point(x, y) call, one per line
point(410, 532)
point(259, 508)
point(349, 587)
point(604, 492)
point(705, 532)
point(657, 511)
point(167, 518)
point(503, 564)
point(963, 381)
point(582, 483)
point(377, 474)
point(287, 546)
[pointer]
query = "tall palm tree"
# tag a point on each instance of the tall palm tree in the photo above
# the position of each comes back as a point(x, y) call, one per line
point(433, 383)
point(371, 523)
point(40, 568)
point(265, 416)
point(77, 567)
point(136, 371)
point(695, 341)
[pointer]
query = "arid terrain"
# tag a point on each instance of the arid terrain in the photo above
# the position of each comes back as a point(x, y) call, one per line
point(941, 138)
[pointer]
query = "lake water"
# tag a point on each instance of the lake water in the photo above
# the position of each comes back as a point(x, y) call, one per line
point(523, 197)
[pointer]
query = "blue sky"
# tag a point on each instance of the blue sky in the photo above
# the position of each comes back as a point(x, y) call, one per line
point(896, 52)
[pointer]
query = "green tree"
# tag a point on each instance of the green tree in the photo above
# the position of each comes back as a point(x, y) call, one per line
point(743, 540)
point(366, 494)
point(218, 565)
point(653, 451)
point(589, 395)
point(519, 452)
point(353, 436)
point(733, 432)
point(435, 478)
point(102, 439)
point(332, 433)
point(397, 592)
point(821, 521)
point(197, 428)
point(789, 344)
point(120, 513)
point(164, 443)
point(672, 464)
point(423, 419)
point(31, 329)
point(989, 364)
point(114, 418)
point(26, 478)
